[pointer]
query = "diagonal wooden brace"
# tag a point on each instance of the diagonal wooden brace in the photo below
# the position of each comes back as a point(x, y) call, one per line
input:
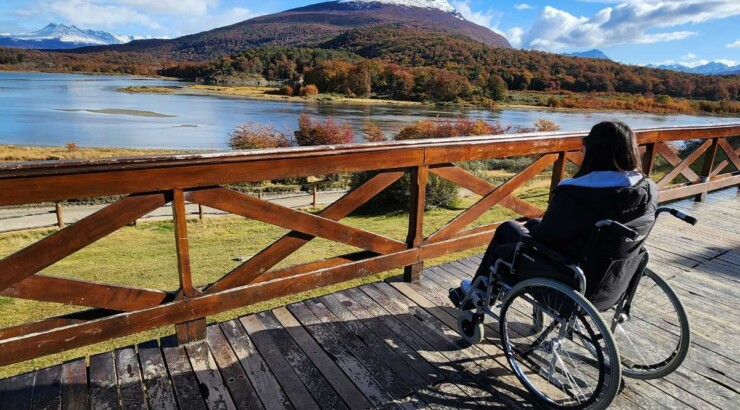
point(490, 200)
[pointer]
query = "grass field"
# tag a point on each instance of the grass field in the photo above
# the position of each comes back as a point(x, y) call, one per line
point(21, 153)
point(144, 255)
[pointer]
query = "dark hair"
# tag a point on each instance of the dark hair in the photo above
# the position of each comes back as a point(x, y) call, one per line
point(610, 146)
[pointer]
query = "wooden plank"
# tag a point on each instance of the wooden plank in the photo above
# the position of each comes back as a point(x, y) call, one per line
point(187, 389)
point(684, 164)
point(266, 386)
point(159, 391)
point(194, 330)
point(648, 158)
point(103, 383)
point(256, 266)
point(706, 168)
point(480, 207)
point(732, 154)
point(215, 393)
point(373, 390)
point(558, 172)
point(74, 385)
point(482, 187)
point(385, 366)
point(376, 335)
point(304, 354)
point(67, 241)
point(419, 178)
point(670, 155)
point(85, 293)
point(47, 390)
point(19, 391)
point(236, 380)
point(292, 384)
point(249, 207)
point(129, 379)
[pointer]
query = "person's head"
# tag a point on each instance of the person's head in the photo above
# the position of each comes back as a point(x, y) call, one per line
point(610, 146)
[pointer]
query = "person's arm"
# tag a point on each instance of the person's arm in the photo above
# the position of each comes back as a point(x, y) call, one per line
point(562, 222)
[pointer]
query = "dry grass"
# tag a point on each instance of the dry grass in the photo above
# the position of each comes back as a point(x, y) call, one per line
point(19, 153)
point(144, 255)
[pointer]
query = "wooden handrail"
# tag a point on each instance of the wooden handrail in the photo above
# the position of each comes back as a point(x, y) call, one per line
point(152, 181)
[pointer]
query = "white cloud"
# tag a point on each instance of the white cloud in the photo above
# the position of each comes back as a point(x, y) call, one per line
point(736, 44)
point(630, 22)
point(689, 56)
point(90, 14)
point(514, 35)
point(522, 6)
point(211, 21)
point(489, 18)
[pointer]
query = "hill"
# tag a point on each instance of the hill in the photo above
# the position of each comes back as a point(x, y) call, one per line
point(597, 54)
point(308, 26)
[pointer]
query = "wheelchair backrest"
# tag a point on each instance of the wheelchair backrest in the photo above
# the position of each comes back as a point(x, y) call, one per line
point(612, 258)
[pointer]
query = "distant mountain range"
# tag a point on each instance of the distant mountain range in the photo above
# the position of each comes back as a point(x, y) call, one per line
point(597, 54)
point(312, 25)
point(61, 37)
point(712, 68)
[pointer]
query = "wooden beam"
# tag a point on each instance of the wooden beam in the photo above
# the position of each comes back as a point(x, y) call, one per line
point(85, 293)
point(419, 179)
point(558, 172)
point(249, 207)
point(722, 165)
point(669, 155)
point(648, 158)
point(482, 187)
point(493, 198)
point(291, 242)
point(680, 168)
point(706, 169)
point(71, 239)
point(192, 330)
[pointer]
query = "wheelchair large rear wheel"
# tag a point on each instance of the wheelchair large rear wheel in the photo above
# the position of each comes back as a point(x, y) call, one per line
point(569, 359)
point(654, 338)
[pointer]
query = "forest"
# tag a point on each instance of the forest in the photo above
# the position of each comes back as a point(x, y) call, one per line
point(402, 63)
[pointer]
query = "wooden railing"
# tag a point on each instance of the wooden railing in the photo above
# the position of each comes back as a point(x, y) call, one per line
point(151, 182)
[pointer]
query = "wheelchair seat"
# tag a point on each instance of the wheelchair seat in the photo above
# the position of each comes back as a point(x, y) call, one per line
point(614, 254)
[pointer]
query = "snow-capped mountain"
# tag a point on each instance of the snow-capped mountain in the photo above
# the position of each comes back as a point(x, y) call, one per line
point(443, 5)
point(711, 68)
point(61, 36)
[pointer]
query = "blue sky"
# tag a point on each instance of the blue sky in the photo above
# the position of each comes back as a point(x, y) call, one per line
point(632, 31)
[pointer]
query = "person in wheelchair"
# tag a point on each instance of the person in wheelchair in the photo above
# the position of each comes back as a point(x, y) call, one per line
point(608, 186)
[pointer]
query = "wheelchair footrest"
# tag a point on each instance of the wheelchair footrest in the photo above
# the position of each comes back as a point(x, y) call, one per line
point(457, 296)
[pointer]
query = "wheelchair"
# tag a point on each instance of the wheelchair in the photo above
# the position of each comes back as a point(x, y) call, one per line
point(569, 343)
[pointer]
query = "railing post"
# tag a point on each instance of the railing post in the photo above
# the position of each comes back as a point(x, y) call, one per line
point(706, 169)
point(648, 160)
point(419, 178)
point(200, 212)
point(60, 218)
point(558, 171)
point(313, 192)
point(196, 329)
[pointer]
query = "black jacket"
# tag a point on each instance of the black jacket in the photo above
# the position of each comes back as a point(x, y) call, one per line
point(610, 262)
point(574, 210)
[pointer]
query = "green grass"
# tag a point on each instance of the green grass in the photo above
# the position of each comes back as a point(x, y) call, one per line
point(144, 255)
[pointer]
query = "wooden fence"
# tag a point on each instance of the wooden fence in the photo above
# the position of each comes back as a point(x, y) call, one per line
point(151, 182)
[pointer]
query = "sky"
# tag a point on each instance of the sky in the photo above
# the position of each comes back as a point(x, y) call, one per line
point(691, 32)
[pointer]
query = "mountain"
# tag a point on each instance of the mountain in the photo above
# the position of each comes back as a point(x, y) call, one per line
point(61, 37)
point(711, 68)
point(312, 25)
point(597, 54)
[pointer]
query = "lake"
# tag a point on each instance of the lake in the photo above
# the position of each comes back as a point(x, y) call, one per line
point(55, 109)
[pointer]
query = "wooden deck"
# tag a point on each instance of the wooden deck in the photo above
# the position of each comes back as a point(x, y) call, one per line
point(393, 345)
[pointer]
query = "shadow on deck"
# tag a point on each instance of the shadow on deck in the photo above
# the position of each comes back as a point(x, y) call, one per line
point(393, 345)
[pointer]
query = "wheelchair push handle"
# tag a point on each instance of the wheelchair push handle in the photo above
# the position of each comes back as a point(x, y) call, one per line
point(678, 214)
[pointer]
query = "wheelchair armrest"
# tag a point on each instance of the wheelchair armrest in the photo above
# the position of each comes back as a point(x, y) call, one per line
point(545, 250)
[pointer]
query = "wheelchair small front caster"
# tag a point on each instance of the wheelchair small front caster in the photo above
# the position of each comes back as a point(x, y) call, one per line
point(470, 327)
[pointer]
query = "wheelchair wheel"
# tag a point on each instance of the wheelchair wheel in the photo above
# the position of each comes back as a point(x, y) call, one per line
point(470, 327)
point(654, 339)
point(568, 359)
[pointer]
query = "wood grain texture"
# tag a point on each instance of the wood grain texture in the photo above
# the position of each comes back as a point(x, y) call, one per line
point(74, 385)
point(256, 266)
point(71, 239)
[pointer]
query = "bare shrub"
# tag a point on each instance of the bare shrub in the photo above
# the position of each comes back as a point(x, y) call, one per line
point(328, 132)
point(253, 135)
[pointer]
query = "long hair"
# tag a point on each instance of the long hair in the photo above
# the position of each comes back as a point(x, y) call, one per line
point(610, 146)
